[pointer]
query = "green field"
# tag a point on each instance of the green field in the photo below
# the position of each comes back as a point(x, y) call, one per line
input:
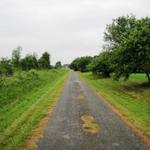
point(131, 97)
point(24, 100)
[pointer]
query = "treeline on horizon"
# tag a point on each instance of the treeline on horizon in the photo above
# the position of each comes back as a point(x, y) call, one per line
point(127, 50)
point(9, 65)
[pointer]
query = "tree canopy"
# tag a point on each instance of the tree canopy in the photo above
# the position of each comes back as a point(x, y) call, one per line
point(58, 64)
point(81, 63)
point(6, 67)
point(101, 64)
point(133, 54)
point(16, 55)
point(44, 61)
point(126, 49)
point(118, 30)
point(30, 61)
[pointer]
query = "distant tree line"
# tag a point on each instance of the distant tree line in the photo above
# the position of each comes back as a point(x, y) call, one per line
point(81, 63)
point(30, 61)
point(127, 50)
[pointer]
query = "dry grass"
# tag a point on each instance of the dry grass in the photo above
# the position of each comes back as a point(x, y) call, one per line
point(77, 85)
point(89, 125)
point(87, 119)
point(90, 128)
point(37, 133)
point(81, 96)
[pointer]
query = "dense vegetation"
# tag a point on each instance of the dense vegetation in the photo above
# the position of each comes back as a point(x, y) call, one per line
point(58, 64)
point(127, 50)
point(28, 87)
point(81, 63)
point(24, 100)
point(30, 61)
point(12, 88)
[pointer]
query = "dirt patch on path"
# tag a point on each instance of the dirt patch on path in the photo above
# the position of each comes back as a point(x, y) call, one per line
point(81, 96)
point(89, 124)
point(138, 131)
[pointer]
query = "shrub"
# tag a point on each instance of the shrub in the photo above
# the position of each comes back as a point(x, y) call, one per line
point(5, 67)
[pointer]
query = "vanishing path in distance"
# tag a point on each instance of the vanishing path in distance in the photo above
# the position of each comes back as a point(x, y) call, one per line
point(82, 121)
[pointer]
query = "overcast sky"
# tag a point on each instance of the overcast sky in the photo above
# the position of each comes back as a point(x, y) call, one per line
point(65, 28)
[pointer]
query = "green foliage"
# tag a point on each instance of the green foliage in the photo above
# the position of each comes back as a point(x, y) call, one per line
point(74, 64)
point(29, 62)
point(118, 30)
point(16, 54)
point(127, 50)
point(5, 67)
point(132, 55)
point(81, 64)
point(101, 64)
point(21, 114)
point(12, 89)
point(58, 64)
point(2, 81)
point(44, 61)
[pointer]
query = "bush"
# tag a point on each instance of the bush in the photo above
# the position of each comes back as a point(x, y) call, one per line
point(81, 63)
point(12, 89)
point(101, 64)
point(5, 67)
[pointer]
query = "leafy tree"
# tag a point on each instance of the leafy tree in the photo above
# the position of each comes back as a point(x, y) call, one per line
point(16, 55)
point(81, 63)
point(74, 64)
point(101, 64)
point(44, 61)
point(133, 54)
point(6, 67)
point(29, 62)
point(58, 64)
point(118, 30)
point(35, 61)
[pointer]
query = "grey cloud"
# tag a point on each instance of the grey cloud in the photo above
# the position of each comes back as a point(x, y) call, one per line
point(65, 28)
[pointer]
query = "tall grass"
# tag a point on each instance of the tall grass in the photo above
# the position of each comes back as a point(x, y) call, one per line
point(29, 96)
point(13, 88)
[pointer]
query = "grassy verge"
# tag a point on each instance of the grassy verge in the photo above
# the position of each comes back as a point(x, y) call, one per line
point(132, 97)
point(21, 115)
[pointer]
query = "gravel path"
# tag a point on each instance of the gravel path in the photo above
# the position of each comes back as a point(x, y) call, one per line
point(81, 121)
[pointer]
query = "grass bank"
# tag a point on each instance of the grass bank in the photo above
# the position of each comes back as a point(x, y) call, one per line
point(27, 102)
point(131, 97)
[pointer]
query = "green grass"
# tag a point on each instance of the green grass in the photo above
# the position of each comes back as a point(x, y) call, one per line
point(131, 97)
point(20, 115)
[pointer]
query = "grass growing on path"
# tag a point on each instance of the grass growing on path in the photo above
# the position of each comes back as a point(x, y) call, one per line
point(21, 115)
point(131, 97)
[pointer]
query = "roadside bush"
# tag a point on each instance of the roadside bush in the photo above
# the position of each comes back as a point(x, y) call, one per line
point(81, 64)
point(101, 64)
point(6, 68)
point(12, 89)
point(1, 82)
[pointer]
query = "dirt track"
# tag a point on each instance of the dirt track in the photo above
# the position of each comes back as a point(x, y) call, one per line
point(81, 121)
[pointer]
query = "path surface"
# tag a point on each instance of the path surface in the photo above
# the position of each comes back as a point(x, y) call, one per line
point(65, 132)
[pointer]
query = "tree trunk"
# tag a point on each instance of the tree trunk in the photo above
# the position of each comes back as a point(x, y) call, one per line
point(148, 77)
